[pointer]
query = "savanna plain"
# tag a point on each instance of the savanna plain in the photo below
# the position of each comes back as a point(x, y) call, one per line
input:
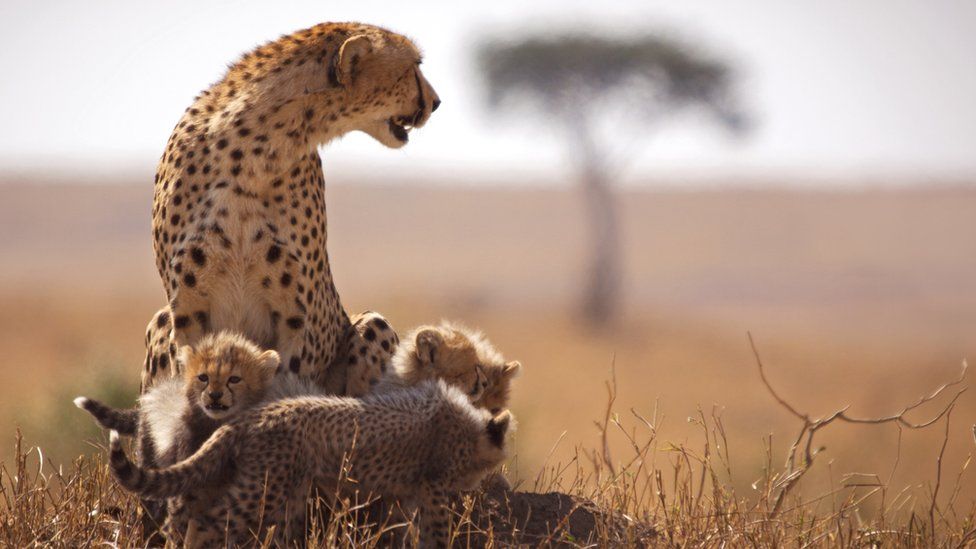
point(862, 298)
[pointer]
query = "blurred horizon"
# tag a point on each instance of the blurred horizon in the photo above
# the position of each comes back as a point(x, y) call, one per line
point(841, 94)
point(862, 299)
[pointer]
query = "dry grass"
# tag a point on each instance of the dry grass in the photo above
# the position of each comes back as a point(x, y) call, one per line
point(656, 494)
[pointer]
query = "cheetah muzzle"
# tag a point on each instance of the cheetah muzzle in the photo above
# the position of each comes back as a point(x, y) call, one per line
point(400, 126)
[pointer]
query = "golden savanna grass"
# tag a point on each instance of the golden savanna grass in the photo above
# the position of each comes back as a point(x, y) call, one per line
point(657, 494)
point(864, 299)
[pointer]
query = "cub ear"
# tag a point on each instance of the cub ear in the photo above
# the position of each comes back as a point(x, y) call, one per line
point(351, 53)
point(498, 427)
point(512, 369)
point(427, 342)
point(270, 361)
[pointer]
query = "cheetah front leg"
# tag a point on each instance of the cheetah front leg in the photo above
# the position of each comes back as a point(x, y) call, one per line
point(191, 317)
point(286, 299)
point(370, 345)
point(159, 364)
point(204, 523)
point(435, 518)
point(197, 270)
point(189, 302)
point(160, 353)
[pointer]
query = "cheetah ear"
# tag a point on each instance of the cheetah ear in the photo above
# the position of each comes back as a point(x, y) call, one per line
point(427, 342)
point(512, 369)
point(349, 56)
point(269, 364)
point(498, 427)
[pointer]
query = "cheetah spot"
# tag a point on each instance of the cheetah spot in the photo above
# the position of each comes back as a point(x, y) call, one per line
point(295, 322)
point(274, 253)
point(162, 320)
point(198, 256)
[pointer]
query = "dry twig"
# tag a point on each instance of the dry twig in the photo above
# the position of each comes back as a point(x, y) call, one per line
point(794, 472)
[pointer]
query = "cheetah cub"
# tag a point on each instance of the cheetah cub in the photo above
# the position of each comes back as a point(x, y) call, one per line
point(462, 357)
point(416, 446)
point(225, 373)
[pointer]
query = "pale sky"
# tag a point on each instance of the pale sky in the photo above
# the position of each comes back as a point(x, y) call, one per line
point(838, 89)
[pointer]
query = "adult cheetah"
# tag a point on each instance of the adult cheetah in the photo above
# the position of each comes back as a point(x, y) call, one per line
point(239, 221)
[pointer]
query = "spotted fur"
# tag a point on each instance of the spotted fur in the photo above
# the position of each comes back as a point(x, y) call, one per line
point(239, 220)
point(416, 446)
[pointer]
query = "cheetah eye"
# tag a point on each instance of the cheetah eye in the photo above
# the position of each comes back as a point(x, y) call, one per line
point(203, 377)
point(234, 379)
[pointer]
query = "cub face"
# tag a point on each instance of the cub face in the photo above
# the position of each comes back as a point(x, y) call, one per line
point(381, 72)
point(462, 358)
point(225, 373)
point(447, 354)
point(498, 387)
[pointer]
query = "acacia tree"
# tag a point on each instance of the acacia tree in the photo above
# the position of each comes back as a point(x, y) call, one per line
point(605, 95)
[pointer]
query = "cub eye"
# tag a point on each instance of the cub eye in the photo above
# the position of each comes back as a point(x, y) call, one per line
point(203, 377)
point(234, 379)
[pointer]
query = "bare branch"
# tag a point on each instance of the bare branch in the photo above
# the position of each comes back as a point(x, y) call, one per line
point(762, 374)
point(842, 415)
point(794, 471)
point(938, 477)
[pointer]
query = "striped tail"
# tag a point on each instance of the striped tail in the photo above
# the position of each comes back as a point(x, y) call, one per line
point(125, 421)
point(177, 479)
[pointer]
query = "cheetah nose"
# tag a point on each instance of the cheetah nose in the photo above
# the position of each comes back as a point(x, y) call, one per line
point(215, 395)
point(437, 103)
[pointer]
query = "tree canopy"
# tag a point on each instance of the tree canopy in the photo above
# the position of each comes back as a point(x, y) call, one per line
point(566, 73)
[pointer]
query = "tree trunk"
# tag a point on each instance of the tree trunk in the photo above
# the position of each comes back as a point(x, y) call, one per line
point(603, 286)
point(602, 291)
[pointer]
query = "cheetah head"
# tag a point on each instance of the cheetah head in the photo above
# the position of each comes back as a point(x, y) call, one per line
point(380, 71)
point(225, 373)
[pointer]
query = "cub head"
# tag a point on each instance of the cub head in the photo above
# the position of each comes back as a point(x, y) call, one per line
point(461, 357)
point(498, 386)
point(225, 373)
point(379, 71)
point(491, 450)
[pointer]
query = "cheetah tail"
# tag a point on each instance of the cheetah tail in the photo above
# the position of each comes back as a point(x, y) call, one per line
point(177, 479)
point(122, 420)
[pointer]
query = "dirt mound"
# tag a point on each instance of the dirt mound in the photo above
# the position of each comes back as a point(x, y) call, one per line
point(551, 519)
